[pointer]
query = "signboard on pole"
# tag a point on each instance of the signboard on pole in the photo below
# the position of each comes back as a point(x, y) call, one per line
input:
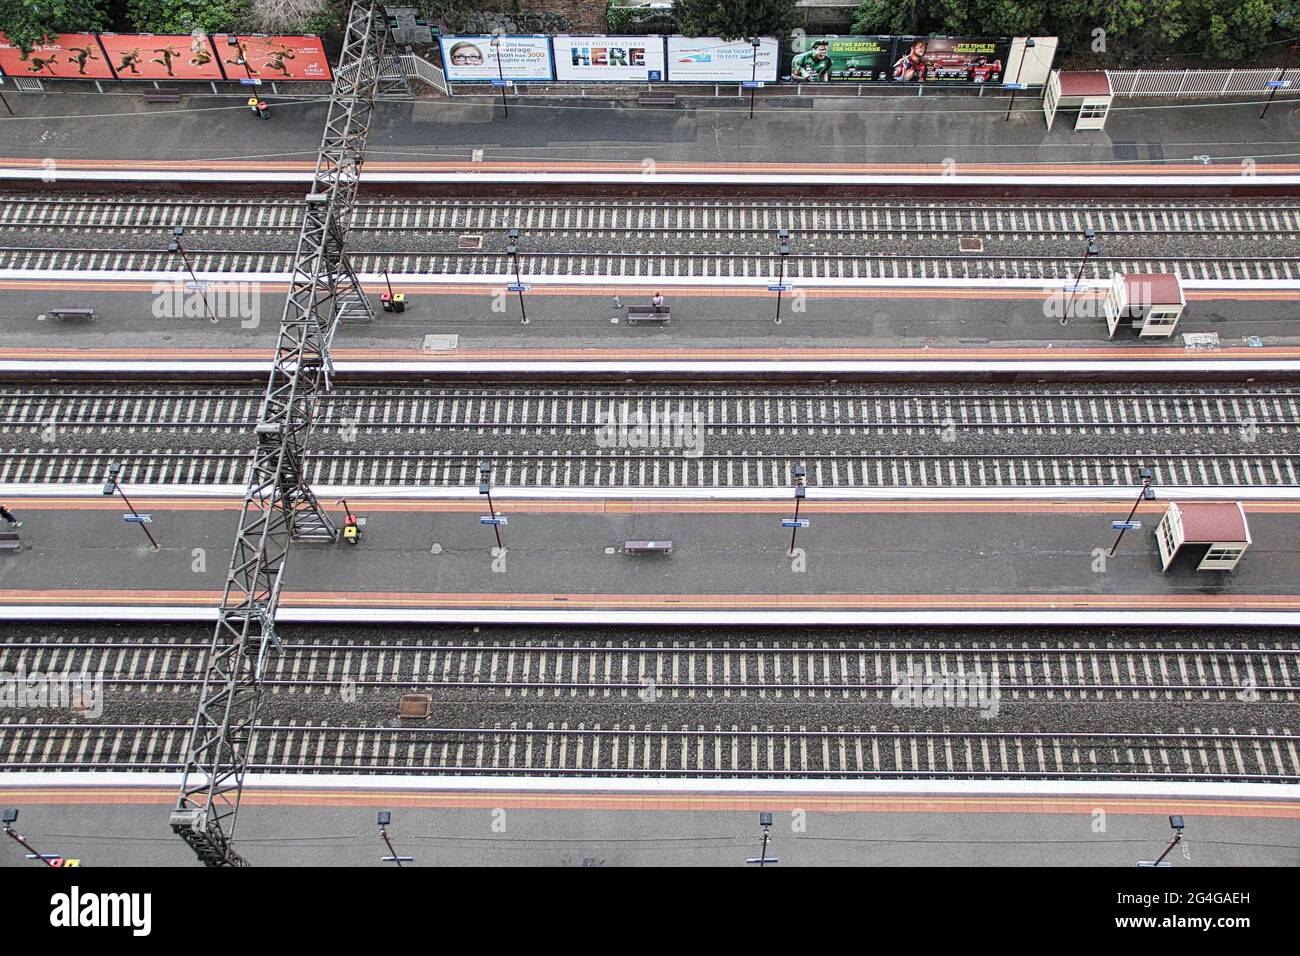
point(474, 58)
point(714, 60)
point(950, 59)
point(857, 59)
point(609, 59)
point(273, 58)
point(144, 56)
point(64, 56)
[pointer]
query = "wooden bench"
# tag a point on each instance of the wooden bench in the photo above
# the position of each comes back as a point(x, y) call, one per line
point(648, 313)
point(651, 547)
point(657, 99)
point(9, 541)
point(162, 96)
point(72, 313)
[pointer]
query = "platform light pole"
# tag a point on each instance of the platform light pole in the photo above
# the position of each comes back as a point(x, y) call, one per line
point(1176, 823)
point(755, 42)
point(501, 76)
point(111, 485)
point(240, 56)
point(512, 250)
point(1029, 45)
point(1090, 250)
point(1146, 494)
point(1280, 82)
point(176, 248)
point(764, 821)
point(6, 102)
point(782, 250)
point(10, 817)
point(800, 491)
point(485, 488)
point(385, 818)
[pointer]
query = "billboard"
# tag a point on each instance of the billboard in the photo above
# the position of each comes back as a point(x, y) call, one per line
point(609, 59)
point(272, 59)
point(713, 60)
point(950, 59)
point(66, 56)
point(141, 56)
point(475, 58)
point(821, 59)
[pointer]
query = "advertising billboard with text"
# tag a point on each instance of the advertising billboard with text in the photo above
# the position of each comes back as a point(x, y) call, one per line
point(65, 56)
point(272, 59)
point(478, 59)
point(141, 56)
point(609, 59)
point(832, 58)
point(714, 60)
point(950, 59)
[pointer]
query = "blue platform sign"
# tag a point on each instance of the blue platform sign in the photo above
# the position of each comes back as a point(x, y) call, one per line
point(501, 82)
point(752, 84)
point(792, 523)
point(249, 81)
point(137, 519)
point(1014, 86)
point(1125, 525)
point(488, 519)
point(779, 288)
point(1278, 84)
point(518, 287)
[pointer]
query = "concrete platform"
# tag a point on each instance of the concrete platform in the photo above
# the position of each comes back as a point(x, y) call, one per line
point(120, 820)
point(861, 562)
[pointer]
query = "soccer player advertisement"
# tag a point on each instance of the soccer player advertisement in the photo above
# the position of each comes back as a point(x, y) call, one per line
point(822, 59)
point(142, 56)
point(950, 60)
point(272, 59)
point(714, 60)
point(63, 56)
point(609, 59)
point(475, 58)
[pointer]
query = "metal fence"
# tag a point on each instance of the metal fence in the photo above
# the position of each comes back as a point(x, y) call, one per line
point(422, 69)
point(1193, 82)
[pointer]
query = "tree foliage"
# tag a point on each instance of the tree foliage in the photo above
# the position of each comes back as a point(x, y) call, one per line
point(1128, 32)
point(186, 16)
point(28, 22)
point(733, 19)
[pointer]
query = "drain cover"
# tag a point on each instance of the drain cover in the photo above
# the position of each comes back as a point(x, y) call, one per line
point(440, 343)
point(469, 242)
point(970, 244)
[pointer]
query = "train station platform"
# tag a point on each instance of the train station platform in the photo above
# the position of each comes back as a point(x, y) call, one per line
point(858, 562)
point(468, 329)
point(863, 136)
point(113, 819)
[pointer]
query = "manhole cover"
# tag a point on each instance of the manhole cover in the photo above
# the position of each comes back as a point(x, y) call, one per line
point(440, 343)
point(415, 706)
point(970, 245)
point(469, 242)
point(1201, 340)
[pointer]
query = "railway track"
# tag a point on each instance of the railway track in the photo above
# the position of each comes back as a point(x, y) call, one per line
point(842, 751)
point(663, 469)
point(510, 411)
point(667, 265)
point(685, 670)
point(612, 218)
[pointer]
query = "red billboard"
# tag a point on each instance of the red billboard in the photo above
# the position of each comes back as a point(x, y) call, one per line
point(66, 56)
point(145, 56)
point(272, 58)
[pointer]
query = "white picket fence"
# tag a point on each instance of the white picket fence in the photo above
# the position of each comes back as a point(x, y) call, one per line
point(1196, 82)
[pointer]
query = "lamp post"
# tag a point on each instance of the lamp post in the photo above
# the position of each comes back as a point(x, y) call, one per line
point(385, 818)
point(501, 76)
point(800, 473)
point(10, 817)
point(6, 102)
point(512, 249)
point(1029, 45)
point(1176, 823)
point(782, 250)
point(1092, 249)
point(111, 485)
point(240, 56)
point(1277, 84)
point(1146, 494)
point(764, 821)
point(755, 42)
point(485, 488)
point(176, 248)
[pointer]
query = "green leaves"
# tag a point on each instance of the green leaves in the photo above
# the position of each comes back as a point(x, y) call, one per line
point(734, 19)
point(28, 22)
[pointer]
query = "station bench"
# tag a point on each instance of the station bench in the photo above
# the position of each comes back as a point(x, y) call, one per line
point(9, 541)
point(71, 313)
point(648, 547)
point(657, 99)
point(162, 96)
point(648, 313)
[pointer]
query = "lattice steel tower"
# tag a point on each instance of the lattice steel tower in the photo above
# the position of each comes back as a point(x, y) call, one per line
point(279, 506)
